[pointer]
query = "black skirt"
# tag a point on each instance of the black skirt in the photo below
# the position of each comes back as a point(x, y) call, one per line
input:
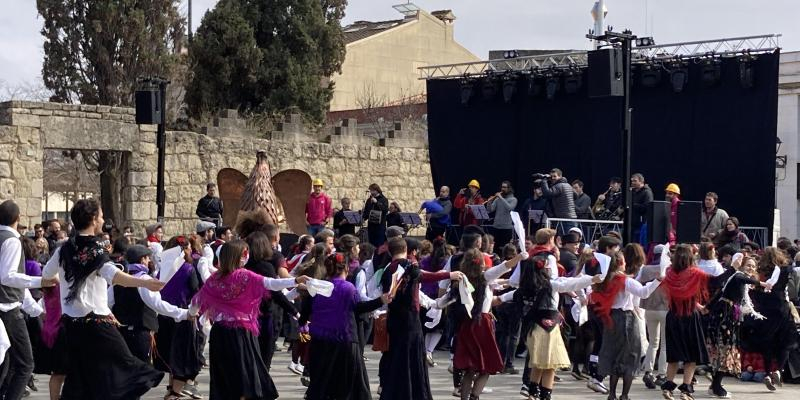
point(685, 339)
point(405, 374)
point(621, 351)
point(180, 348)
point(237, 369)
point(101, 366)
point(337, 371)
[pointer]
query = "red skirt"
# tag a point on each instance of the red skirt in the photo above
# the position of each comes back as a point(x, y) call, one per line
point(476, 347)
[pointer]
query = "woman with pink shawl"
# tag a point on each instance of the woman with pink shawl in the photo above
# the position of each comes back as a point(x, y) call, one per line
point(230, 299)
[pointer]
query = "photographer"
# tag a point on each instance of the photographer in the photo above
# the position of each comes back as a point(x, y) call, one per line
point(374, 212)
point(561, 197)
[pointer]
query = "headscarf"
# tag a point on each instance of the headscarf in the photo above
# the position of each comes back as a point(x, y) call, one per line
point(80, 257)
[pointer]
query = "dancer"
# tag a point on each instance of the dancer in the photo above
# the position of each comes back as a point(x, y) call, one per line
point(726, 311)
point(405, 359)
point(655, 316)
point(231, 298)
point(433, 263)
point(614, 300)
point(313, 267)
point(537, 296)
point(100, 364)
point(476, 353)
point(337, 368)
point(686, 286)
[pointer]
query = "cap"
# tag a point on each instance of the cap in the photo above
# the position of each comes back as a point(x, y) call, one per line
point(673, 188)
point(474, 183)
point(151, 229)
point(135, 253)
point(317, 182)
point(571, 238)
point(394, 231)
point(203, 226)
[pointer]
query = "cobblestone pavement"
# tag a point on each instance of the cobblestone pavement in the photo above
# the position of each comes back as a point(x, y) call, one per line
point(502, 386)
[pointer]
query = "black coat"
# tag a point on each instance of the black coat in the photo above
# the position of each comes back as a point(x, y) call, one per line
point(639, 200)
point(209, 207)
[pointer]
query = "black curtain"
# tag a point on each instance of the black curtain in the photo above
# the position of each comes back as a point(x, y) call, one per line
point(718, 138)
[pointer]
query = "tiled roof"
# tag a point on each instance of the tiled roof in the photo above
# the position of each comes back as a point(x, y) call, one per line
point(364, 29)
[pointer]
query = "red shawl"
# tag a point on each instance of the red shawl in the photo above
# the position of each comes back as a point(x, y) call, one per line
point(538, 249)
point(685, 289)
point(604, 300)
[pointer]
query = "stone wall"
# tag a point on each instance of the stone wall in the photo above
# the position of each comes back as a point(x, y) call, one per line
point(346, 161)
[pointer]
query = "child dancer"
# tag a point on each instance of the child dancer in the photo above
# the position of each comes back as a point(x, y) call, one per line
point(230, 298)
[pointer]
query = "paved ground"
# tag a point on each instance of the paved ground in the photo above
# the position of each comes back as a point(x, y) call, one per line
point(503, 386)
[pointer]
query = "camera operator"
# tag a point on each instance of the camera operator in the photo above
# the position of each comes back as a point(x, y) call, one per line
point(560, 195)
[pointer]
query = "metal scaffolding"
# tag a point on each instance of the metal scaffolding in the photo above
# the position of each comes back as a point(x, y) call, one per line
point(704, 48)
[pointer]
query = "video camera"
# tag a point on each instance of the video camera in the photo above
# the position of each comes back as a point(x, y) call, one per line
point(538, 176)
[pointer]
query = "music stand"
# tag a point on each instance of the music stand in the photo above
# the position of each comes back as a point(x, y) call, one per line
point(479, 212)
point(352, 217)
point(538, 217)
point(412, 220)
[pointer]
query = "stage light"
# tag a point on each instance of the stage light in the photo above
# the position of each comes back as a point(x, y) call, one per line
point(679, 77)
point(466, 91)
point(510, 54)
point(650, 75)
point(710, 73)
point(509, 88)
point(572, 81)
point(535, 84)
point(746, 77)
point(489, 88)
point(645, 41)
point(551, 87)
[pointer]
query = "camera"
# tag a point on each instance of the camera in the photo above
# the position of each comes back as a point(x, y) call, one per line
point(541, 176)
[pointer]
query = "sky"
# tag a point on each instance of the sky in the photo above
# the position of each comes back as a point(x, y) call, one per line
point(483, 25)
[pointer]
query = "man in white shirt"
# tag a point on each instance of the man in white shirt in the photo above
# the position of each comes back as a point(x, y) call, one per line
point(18, 366)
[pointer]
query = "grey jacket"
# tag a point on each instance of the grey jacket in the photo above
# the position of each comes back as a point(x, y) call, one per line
point(502, 207)
point(562, 198)
point(715, 224)
point(658, 300)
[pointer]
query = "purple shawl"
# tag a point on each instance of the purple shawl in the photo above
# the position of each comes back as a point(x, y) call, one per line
point(331, 317)
point(176, 291)
point(233, 300)
point(52, 316)
point(431, 289)
point(33, 268)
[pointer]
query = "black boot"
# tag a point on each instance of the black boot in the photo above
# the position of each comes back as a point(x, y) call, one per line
point(533, 391)
point(545, 393)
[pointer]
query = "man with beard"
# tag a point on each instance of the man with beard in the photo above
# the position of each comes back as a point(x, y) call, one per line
point(501, 204)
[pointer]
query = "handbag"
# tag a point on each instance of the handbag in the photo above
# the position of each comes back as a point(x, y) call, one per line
point(380, 339)
point(375, 216)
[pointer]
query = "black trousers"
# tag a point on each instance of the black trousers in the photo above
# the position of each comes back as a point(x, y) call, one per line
point(501, 238)
point(18, 365)
point(434, 231)
point(507, 332)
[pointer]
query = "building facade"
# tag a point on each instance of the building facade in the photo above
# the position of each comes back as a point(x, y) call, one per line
point(787, 179)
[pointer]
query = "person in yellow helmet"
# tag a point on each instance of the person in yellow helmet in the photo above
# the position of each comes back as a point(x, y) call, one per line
point(468, 196)
point(673, 196)
point(319, 208)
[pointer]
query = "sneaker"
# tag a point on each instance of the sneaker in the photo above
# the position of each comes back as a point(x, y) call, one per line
point(457, 392)
point(32, 384)
point(429, 359)
point(487, 390)
point(769, 384)
point(578, 375)
point(660, 379)
point(597, 386)
point(649, 380)
point(191, 390)
point(510, 371)
point(293, 367)
point(522, 355)
point(776, 379)
point(305, 381)
point(300, 368)
point(524, 391)
point(720, 393)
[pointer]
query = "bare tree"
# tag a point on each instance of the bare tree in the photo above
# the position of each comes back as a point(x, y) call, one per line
point(26, 90)
point(380, 113)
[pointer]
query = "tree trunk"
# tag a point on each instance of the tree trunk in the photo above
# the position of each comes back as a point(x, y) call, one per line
point(113, 169)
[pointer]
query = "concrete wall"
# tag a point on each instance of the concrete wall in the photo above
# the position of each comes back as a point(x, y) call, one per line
point(346, 161)
point(789, 133)
point(385, 65)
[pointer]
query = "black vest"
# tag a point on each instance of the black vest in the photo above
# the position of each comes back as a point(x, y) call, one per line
point(351, 277)
point(130, 310)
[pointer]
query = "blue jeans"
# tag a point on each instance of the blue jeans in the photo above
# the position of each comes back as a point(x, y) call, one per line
point(313, 230)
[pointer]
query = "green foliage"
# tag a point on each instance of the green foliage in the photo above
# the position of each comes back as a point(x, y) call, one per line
point(267, 56)
point(94, 50)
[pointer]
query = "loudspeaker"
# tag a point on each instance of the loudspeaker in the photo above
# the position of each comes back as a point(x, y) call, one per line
point(605, 73)
point(688, 230)
point(658, 221)
point(148, 106)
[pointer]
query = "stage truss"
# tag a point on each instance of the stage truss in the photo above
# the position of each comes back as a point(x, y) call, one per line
point(706, 48)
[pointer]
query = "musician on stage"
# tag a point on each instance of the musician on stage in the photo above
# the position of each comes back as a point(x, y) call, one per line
point(608, 206)
point(467, 197)
point(501, 204)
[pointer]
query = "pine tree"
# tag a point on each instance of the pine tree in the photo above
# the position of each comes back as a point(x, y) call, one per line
point(300, 44)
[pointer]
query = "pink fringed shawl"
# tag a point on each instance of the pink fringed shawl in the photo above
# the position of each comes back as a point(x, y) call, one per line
point(233, 300)
point(52, 316)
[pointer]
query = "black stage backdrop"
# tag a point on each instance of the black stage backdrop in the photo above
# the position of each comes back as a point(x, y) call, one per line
point(719, 139)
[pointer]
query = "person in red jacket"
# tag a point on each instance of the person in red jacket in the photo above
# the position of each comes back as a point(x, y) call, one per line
point(466, 197)
point(673, 195)
point(319, 209)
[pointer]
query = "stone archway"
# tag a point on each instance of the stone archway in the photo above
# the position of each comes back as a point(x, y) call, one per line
point(230, 183)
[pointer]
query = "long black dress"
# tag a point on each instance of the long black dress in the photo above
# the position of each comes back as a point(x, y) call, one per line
point(405, 361)
point(776, 336)
point(724, 328)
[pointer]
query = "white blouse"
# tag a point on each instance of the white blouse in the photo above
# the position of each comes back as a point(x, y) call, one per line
point(628, 299)
point(91, 297)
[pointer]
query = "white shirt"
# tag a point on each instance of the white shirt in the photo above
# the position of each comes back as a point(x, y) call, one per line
point(205, 265)
point(625, 298)
point(491, 275)
point(361, 285)
point(711, 267)
point(91, 297)
point(154, 302)
point(10, 255)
